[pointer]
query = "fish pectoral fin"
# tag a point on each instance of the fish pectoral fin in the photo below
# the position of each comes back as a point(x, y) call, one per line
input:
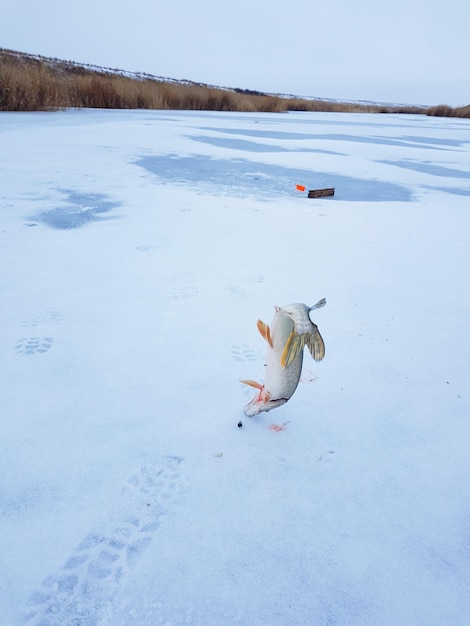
point(253, 383)
point(264, 332)
point(315, 344)
point(294, 345)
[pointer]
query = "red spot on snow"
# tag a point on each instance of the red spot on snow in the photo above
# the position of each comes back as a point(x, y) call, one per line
point(308, 377)
point(278, 427)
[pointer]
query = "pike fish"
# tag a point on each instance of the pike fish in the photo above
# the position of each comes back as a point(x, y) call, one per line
point(291, 330)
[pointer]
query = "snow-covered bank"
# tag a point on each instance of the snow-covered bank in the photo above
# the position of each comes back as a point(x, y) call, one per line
point(137, 251)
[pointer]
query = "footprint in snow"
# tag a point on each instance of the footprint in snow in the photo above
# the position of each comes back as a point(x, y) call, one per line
point(46, 317)
point(179, 293)
point(255, 278)
point(33, 345)
point(149, 248)
point(244, 352)
point(82, 590)
point(39, 344)
point(236, 292)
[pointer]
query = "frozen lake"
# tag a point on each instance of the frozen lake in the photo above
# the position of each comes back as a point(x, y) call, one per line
point(137, 251)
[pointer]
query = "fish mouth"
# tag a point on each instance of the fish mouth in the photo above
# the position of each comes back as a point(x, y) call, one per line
point(255, 408)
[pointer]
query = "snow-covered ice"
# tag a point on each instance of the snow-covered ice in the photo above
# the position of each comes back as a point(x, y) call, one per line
point(137, 251)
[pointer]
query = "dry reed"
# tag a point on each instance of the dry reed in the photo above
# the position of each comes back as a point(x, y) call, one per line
point(34, 83)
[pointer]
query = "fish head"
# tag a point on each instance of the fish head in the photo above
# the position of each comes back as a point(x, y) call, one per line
point(260, 404)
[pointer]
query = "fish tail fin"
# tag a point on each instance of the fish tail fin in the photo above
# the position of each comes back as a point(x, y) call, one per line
point(315, 344)
point(318, 305)
point(265, 332)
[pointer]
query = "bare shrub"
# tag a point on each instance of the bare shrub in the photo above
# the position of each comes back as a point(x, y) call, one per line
point(462, 111)
point(441, 110)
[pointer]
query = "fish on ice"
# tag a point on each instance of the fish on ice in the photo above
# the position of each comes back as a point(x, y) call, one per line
point(291, 330)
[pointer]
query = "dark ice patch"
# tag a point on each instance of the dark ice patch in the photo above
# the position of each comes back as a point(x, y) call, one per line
point(268, 133)
point(404, 142)
point(238, 144)
point(429, 168)
point(78, 209)
point(239, 177)
point(457, 191)
point(250, 146)
point(434, 141)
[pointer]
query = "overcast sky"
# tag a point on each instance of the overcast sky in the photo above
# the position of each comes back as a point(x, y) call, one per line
point(399, 51)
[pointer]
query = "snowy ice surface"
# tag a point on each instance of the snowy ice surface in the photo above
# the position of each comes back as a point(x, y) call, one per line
point(137, 251)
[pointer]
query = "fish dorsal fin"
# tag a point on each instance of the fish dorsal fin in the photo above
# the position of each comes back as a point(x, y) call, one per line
point(264, 332)
point(294, 345)
point(315, 344)
point(253, 383)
